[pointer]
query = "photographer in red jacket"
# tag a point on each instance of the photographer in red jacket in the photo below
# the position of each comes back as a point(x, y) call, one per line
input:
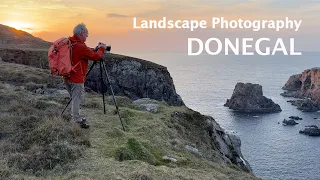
point(75, 83)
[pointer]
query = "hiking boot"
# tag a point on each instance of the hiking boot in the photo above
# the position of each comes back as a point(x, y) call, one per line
point(83, 125)
point(82, 121)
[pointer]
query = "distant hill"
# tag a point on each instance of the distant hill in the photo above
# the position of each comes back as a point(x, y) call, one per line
point(13, 38)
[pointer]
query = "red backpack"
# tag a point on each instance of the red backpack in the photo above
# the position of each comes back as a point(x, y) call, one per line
point(59, 56)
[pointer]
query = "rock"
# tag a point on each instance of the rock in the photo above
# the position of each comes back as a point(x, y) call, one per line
point(295, 94)
point(295, 117)
point(135, 78)
point(62, 92)
point(0, 59)
point(233, 140)
point(193, 150)
point(305, 85)
point(248, 98)
point(294, 83)
point(144, 101)
point(290, 122)
point(169, 158)
point(307, 105)
point(147, 104)
point(312, 126)
point(39, 91)
point(312, 130)
point(149, 107)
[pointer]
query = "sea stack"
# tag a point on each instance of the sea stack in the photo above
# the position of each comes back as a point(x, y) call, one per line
point(248, 98)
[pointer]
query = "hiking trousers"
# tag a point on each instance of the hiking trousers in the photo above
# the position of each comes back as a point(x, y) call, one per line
point(76, 92)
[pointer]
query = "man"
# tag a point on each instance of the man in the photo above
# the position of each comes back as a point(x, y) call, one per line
point(75, 82)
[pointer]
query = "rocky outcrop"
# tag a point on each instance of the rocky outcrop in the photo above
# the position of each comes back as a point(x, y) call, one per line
point(305, 85)
point(234, 142)
point(295, 117)
point(146, 104)
point(294, 83)
point(289, 122)
point(135, 78)
point(311, 131)
point(208, 138)
point(248, 98)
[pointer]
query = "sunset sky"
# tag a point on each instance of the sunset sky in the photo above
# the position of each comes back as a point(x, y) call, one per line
point(112, 21)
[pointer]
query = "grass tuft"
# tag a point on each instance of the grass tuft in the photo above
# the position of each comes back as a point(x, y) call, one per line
point(134, 150)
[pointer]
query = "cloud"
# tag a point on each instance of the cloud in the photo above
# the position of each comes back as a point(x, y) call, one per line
point(285, 4)
point(115, 15)
point(30, 29)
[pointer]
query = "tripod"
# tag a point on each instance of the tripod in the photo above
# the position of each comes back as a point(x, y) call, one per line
point(102, 67)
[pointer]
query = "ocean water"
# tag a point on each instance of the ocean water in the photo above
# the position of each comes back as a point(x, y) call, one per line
point(274, 151)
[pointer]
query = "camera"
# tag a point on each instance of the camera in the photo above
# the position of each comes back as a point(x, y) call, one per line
point(108, 48)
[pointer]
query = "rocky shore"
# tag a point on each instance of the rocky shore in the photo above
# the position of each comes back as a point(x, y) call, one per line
point(305, 86)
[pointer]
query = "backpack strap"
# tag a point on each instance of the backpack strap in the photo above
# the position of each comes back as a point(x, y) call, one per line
point(71, 52)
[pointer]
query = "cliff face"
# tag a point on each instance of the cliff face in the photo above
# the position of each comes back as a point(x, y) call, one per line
point(304, 85)
point(135, 78)
point(131, 77)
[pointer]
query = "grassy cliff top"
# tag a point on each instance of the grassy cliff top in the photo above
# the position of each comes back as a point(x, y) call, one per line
point(36, 143)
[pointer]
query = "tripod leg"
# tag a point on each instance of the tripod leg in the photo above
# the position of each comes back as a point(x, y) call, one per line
point(114, 100)
point(66, 107)
point(102, 89)
point(91, 68)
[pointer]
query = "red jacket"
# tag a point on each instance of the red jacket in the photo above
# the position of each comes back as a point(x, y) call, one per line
point(81, 52)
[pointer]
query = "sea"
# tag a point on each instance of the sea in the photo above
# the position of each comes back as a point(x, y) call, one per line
point(273, 150)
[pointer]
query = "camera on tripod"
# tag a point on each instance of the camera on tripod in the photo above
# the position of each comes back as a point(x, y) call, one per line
point(108, 48)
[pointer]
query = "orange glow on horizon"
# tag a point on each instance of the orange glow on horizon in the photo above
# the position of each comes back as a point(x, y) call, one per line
point(28, 27)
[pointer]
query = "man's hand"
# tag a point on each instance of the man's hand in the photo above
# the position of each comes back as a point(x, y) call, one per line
point(101, 45)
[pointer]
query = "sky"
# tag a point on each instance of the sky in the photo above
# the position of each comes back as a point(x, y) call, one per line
point(111, 22)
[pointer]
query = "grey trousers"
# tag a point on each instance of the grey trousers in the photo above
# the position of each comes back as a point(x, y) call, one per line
point(76, 92)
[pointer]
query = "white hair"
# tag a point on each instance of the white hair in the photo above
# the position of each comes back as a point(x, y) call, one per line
point(80, 28)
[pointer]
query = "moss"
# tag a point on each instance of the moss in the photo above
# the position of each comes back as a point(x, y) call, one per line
point(124, 154)
point(135, 150)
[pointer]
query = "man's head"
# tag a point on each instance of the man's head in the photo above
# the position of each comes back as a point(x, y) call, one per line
point(81, 31)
